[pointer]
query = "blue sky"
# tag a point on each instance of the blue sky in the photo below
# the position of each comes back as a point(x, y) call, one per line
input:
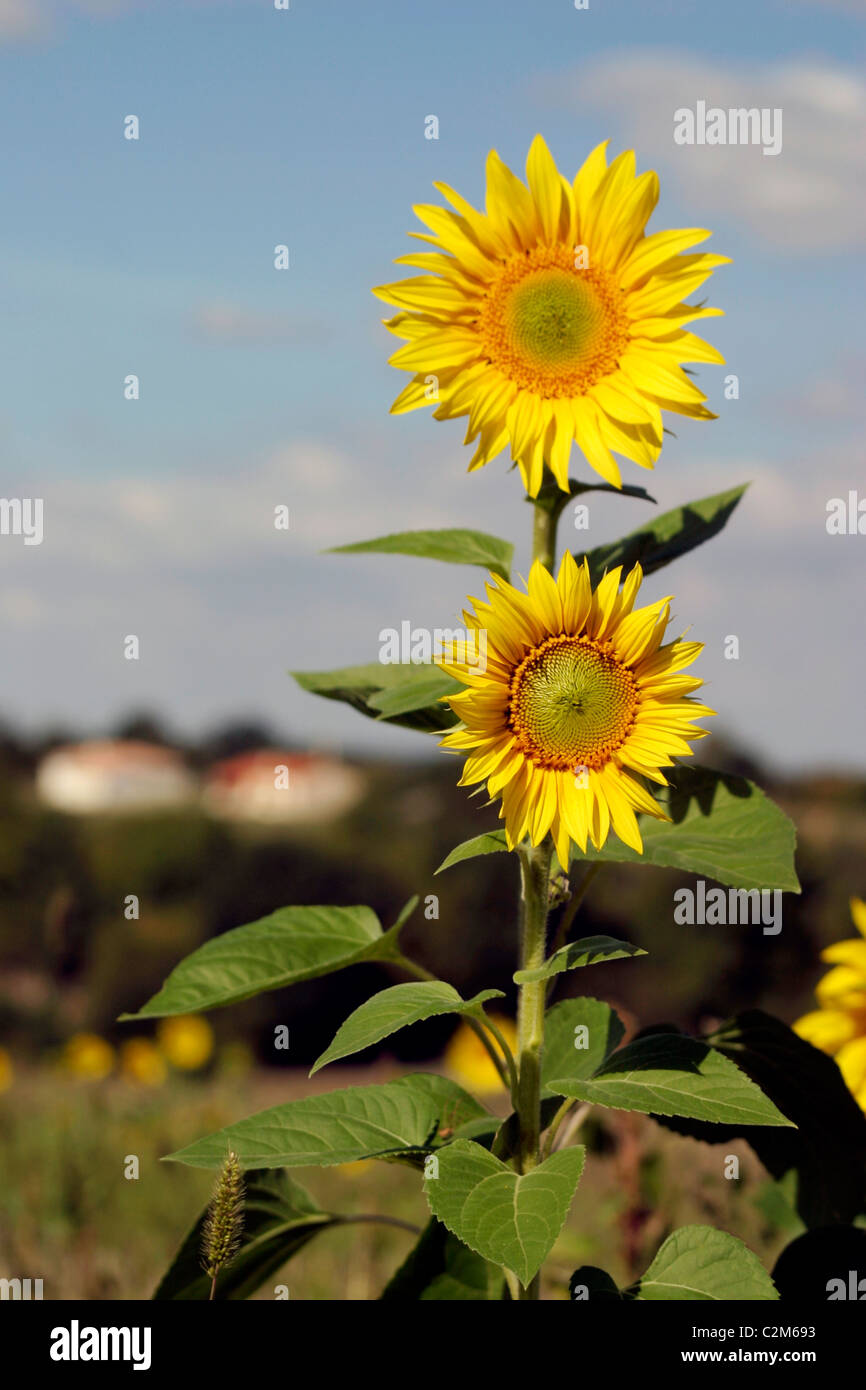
point(257, 387)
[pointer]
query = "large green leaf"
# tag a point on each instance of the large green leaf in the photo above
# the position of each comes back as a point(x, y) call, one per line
point(823, 1160)
point(668, 1074)
point(699, 1263)
point(579, 1036)
point(360, 686)
point(395, 1008)
point(722, 826)
point(440, 1268)
point(590, 950)
point(458, 547)
point(280, 1217)
point(507, 1218)
point(667, 536)
point(397, 1118)
point(292, 944)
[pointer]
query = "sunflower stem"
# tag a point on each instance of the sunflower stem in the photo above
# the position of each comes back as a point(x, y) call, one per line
point(535, 881)
point(544, 527)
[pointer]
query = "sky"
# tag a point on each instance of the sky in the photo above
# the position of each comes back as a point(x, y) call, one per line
point(259, 387)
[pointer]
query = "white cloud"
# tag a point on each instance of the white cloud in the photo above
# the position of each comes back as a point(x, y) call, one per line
point(809, 197)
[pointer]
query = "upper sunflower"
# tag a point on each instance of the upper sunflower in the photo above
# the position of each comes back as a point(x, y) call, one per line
point(553, 318)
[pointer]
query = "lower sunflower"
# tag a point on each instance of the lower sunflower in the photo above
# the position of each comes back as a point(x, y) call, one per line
point(838, 1025)
point(571, 703)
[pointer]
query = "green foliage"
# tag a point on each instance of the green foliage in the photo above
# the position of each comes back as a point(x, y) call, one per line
point(721, 826)
point(699, 1263)
point(398, 1118)
point(440, 1268)
point(291, 944)
point(668, 1074)
point(823, 1160)
point(396, 1008)
point(579, 1036)
point(280, 1218)
point(590, 950)
point(362, 686)
point(508, 1218)
point(668, 536)
point(457, 547)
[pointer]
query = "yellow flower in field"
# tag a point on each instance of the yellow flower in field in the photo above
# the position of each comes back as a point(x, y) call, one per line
point(838, 1026)
point(572, 701)
point(6, 1070)
point(553, 318)
point(88, 1056)
point(141, 1061)
point(468, 1060)
point(185, 1041)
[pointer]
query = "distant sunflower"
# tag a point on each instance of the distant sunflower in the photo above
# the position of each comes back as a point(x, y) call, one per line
point(838, 1026)
point(575, 702)
point(553, 318)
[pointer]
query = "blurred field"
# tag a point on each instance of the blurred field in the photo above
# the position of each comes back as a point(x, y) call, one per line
point(71, 962)
point(71, 1218)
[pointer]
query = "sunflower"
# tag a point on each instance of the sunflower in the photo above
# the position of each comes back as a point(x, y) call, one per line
point(838, 1025)
point(469, 1062)
point(553, 318)
point(575, 703)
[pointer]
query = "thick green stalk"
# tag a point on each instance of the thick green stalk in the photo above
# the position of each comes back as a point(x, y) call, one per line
point(535, 879)
point(535, 887)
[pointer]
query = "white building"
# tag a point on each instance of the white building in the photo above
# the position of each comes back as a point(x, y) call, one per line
point(271, 785)
point(113, 775)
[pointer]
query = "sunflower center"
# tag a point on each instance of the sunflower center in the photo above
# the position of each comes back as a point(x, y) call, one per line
point(571, 703)
point(554, 318)
point(552, 328)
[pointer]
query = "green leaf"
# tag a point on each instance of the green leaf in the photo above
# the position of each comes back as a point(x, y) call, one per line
point(442, 1269)
point(397, 1118)
point(825, 1177)
point(491, 842)
point(456, 547)
point(280, 1217)
point(357, 685)
point(699, 1263)
point(591, 950)
point(666, 537)
point(722, 827)
point(668, 1074)
point(507, 1218)
point(423, 686)
point(579, 1036)
point(395, 1008)
point(292, 944)
point(553, 498)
